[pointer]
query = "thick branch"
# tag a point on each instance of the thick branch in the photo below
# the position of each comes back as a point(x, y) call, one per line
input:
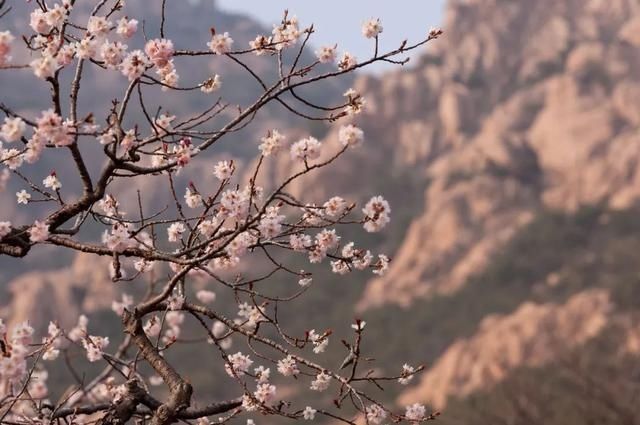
point(179, 390)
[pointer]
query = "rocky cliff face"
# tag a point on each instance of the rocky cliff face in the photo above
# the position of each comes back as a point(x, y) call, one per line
point(522, 105)
point(531, 336)
point(42, 295)
point(532, 106)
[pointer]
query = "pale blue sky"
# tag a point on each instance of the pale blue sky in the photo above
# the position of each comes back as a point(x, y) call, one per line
point(340, 20)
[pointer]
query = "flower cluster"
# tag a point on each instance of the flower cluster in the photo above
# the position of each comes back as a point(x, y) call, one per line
point(238, 364)
point(152, 328)
point(206, 297)
point(39, 232)
point(212, 84)
point(265, 393)
point(286, 34)
point(126, 28)
point(377, 212)
point(223, 170)
point(372, 28)
point(13, 363)
point(347, 62)
point(271, 143)
point(12, 129)
point(321, 383)
point(376, 414)
point(52, 182)
point(94, 346)
point(220, 332)
point(306, 149)
point(119, 238)
point(220, 44)
point(407, 374)
point(5, 228)
point(270, 224)
point(326, 54)
point(416, 412)
point(288, 366)
point(5, 47)
point(350, 135)
point(92, 45)
point(320, 342)
point(249, 316)
point(134, 64)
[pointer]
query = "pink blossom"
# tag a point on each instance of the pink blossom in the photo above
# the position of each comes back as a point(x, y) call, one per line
point(112, 53)
point(127, 27)
point(350, 135)
point(372, 28)
point(415, 412)
point(134, 65)
point(326, 54)
point(376, 212)
point(5, 228)
point(306, 149)
point(238, 364)
point(39, 232)
point(160, 51)
point(288, 366)
point(5, 47)
point(94, 347)
point(321, 383)
point(220, 43)
point(98, 26)
point(347, 62)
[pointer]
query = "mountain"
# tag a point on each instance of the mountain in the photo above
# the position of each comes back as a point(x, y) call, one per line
point(521, 106)
point(524, 111)
point(63, 294)
point(513, 147)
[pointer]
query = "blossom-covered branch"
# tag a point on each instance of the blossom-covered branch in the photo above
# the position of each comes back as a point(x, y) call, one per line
point(225, 230)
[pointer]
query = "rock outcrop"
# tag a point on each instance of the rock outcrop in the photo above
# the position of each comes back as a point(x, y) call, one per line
point(62, 294)
point(531, 336)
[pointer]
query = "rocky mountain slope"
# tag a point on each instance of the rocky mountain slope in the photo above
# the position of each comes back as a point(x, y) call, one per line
point(533, 335)
point(522, 106)
point(533, 107)
point(64, 294)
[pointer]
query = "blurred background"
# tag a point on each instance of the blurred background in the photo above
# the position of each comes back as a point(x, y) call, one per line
point(510, 152)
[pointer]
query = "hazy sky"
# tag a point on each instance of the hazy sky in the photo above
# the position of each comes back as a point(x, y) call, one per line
point(339, 21)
